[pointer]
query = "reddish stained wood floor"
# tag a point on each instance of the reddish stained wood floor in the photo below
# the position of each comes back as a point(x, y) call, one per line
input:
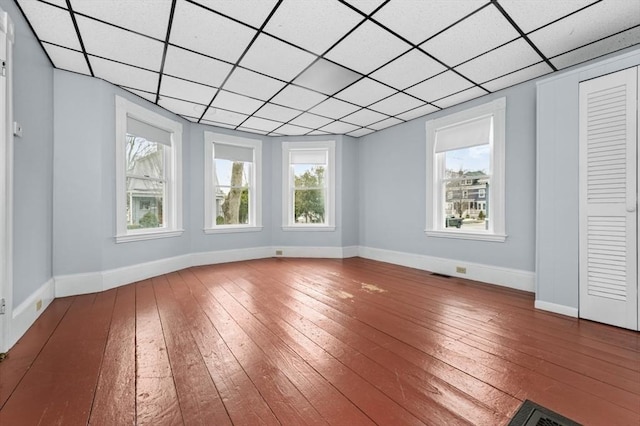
point(310, 341)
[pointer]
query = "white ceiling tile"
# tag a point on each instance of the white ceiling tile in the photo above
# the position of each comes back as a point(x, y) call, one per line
point(277, 112)
point(124, 75)
point(458, 98)
point(408, 70)
point(181, 107)
point(417, 112)
point(365, 92)
point(439, 86)
point(360, 132)
point(396, 104)
point(251, 12)
point(427, 18)
point(593, 23)
point(182, 89)
point(61, 3)
point(247, 129)
point(51, 23)
point(326, 77)
point(334, 108)
point(192, 66)
point(599, 48)
point(119, 45)
point(317, 133)
point(253, 84)
point(265, 56)
point(364, 117)
point(290, 129)
point(385, 123)
point(489, 29)
point(151, 97)
point(191, 119)
point(503, 60)
point(315, 25)
point(218, 115)
point(206, 32)
point(530, 15)
point(238, 103)
point(311, 120)
point(525, 74)
point(215, 123)
point(67, 59)
point(367, 48)
point(366, 6)
point(261, 124)
point(339, 128)
point(127, 13)
point(298, 97)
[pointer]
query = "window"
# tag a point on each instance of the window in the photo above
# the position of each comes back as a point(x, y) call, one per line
point(232, 183)
point(465, 157)
point(308, 177)
point(148, 174)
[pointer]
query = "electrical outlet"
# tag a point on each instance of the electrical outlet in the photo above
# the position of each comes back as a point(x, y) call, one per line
point(38, 305)
point(17, 129)
point(278, 252)
point(461, 269)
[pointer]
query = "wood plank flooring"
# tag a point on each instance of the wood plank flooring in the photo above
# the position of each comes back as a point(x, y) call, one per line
point(314, 341)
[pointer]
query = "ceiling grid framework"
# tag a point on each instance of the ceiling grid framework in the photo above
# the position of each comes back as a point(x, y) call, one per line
point(314, 67)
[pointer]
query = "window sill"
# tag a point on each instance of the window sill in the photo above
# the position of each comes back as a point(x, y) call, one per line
point(498, 238)
point(309, 228)
point(149, 235)
point(232, 229)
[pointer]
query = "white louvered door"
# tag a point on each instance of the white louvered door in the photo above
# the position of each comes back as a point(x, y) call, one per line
point(608, 199)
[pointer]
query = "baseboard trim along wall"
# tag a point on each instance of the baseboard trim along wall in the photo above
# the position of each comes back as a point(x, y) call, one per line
point(25, 314)
point(512, 278)
point(555, 308)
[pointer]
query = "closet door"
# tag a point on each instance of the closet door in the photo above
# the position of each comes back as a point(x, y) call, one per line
point(608, 217)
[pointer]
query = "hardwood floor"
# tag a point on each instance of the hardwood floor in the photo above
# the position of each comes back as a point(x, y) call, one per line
point(314, 341)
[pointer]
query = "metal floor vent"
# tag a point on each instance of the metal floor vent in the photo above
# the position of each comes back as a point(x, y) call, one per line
point(435, 274)
point(532, 414)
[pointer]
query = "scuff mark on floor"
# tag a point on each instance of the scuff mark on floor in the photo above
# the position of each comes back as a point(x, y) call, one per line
point(372, 288)
point(343, 294)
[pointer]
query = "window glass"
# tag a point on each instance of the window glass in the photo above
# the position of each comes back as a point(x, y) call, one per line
point(145, 183)
point(232, 191)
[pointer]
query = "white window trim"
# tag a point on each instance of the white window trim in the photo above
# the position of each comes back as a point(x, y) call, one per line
point(496, 197)
point(173, 202)
point(255, 208)
point(287, 194)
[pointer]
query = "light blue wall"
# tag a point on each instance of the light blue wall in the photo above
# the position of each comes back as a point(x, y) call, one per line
point(33, 161)
point(392, 189)
point(84, 181)
point(558, 186)
point(350, 195)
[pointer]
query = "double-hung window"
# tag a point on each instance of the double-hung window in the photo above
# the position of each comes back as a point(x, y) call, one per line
point(465, 174)
point(148, 174)
point(232, 183)
point(308, 176)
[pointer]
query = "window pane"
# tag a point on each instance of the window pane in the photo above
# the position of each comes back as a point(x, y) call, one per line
point(232, 173)
point(309, 206)
point(308, 175)
point(144, 158)
point(467, 162)
point(232, 206)
point(465, 204)
point(144, 203)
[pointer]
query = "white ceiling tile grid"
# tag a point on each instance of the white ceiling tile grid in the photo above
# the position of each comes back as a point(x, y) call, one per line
point(317, 67)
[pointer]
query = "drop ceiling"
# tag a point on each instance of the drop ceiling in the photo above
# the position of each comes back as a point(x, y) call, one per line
point(313, 67)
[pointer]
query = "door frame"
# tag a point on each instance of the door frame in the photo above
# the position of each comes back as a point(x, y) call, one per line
point(6, 184)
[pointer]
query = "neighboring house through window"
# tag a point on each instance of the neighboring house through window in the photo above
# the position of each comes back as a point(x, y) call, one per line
point(148, 174)
point(308, 176)
point(233, 197)
point(465, 173)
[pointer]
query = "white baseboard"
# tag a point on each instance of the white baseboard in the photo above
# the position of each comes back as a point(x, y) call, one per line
point(555, 308)
point(26, 313)
point(225, 256)
point(316, 252)
point(350, 251)
point(512, 278)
